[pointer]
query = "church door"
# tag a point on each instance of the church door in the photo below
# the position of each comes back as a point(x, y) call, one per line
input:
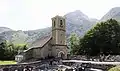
point(61, 54)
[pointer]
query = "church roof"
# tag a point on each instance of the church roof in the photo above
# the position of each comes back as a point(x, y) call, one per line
point(39, 43)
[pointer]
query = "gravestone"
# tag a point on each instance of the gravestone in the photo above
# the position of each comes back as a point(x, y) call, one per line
point(68, 69)
point(6, 69)
point(13, 68)
point(20, 68)
point(27, 68)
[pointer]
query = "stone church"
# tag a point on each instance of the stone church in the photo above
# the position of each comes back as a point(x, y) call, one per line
point(53, 45)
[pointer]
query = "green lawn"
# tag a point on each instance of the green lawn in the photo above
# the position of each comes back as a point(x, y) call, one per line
point(7, 62)
point(117, 68)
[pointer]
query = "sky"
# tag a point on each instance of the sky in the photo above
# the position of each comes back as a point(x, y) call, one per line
point(37, 14)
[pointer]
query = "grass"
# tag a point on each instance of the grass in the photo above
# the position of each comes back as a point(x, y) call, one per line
point(20, 44)
point(7, 62)
point(117, 68)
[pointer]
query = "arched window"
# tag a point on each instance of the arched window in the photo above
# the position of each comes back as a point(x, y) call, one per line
point(54, 23)
point(61, 23)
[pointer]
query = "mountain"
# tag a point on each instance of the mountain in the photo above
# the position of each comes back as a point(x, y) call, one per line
point(76, 22)
point(36, 34)
point(14, 36)
point(3, 29)
point(113, 13)
point(24, 37)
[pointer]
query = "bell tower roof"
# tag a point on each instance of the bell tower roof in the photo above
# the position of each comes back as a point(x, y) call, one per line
point(57, 16)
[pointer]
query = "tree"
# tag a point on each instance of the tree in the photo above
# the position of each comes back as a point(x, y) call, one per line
point(3, 45)
point(73, 41)
point(104, 38)
point(9, 50)
point(13, 49)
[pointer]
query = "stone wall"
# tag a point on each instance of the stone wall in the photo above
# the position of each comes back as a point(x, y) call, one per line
point(45, 65)
point(88, 65)
point(21, 67)
point(28, 54)
point(112, 58)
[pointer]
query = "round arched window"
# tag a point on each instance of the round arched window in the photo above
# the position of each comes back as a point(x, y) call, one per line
point(61, 23)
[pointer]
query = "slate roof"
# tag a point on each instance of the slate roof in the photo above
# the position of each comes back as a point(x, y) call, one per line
point(39, 43)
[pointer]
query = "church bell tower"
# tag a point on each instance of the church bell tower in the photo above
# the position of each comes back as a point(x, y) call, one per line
point(58, 30)
point(59, 37)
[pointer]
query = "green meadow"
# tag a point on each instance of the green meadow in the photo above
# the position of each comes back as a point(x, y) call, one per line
point(7, 62)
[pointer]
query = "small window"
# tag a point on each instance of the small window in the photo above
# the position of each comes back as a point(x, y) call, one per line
point(60, 41)
point(61, 23)
point(54, 23)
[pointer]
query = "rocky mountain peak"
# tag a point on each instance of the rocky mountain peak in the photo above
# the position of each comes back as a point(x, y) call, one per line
point(113, 13)
point(77, 14)
point(3, 29)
